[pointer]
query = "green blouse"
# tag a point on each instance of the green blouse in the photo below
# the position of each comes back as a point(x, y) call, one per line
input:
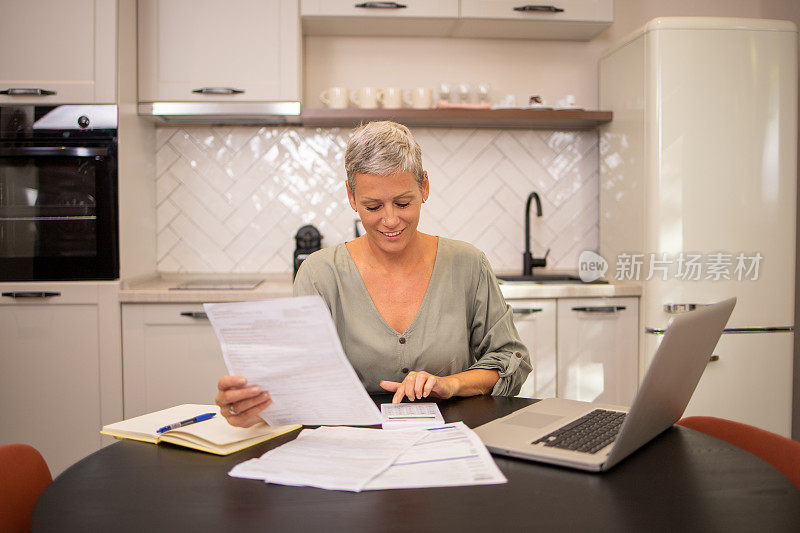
point(463, 322)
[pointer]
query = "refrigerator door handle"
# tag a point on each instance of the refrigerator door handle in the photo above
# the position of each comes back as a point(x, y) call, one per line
point(766, 329)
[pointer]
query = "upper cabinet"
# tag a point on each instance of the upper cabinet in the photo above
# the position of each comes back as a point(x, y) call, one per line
point(58, 51)
point(357, 18)
point(579, 20)
point(210, 51)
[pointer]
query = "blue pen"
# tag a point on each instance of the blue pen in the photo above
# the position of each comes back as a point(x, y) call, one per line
point(176, 425)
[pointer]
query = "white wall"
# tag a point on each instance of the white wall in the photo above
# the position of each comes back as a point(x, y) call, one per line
point(230, 199)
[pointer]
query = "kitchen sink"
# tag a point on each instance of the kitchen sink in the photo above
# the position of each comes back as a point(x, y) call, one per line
point(542, 277)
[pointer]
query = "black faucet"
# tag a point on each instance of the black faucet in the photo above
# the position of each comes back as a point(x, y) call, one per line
point(528, 261)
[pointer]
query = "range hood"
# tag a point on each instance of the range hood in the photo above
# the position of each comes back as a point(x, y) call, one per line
point(222, 112)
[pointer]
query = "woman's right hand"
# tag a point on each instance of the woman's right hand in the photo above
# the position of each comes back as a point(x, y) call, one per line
point(240, 404)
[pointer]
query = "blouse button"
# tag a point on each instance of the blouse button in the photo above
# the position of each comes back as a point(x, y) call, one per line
point(402, 340)
point(518, 354)
point(404, 371)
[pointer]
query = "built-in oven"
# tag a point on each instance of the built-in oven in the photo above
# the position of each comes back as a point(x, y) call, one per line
point(58, 192)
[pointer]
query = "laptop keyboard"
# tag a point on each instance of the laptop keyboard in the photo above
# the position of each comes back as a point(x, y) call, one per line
point(589, 433)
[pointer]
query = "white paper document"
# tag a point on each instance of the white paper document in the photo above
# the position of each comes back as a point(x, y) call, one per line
point(407, 415)
point(335, 458)
point(289, 347)
point(448, 456)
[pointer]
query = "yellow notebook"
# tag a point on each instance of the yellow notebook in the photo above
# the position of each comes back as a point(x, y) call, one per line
point(213, 436)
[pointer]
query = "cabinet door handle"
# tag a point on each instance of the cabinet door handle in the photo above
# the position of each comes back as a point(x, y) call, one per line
point(539, 8)
point(31, 294)
point(526, 310)
point(27, 92)
point(194, 314)
point(218, 90)
point(600, 309)
point(381, 5)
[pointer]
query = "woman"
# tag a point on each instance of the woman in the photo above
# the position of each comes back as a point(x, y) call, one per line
point(417, 315)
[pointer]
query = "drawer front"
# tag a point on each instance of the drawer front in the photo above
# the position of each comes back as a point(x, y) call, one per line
point(45, 293)
point(597, 349)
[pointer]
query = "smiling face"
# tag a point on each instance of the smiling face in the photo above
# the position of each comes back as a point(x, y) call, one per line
point(389, 207)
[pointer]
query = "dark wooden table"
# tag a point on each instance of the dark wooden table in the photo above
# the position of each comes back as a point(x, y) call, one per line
point(681, 481)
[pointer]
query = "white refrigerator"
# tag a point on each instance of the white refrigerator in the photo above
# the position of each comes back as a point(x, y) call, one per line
point(698, 196)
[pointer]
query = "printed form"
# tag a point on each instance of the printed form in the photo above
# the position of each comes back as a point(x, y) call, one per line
point(451, 455)
point(289, 347)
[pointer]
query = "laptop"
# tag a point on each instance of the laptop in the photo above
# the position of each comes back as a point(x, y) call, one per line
point(595, 437)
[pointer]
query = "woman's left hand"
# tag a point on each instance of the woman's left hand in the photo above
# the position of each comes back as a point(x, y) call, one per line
point(418, 385)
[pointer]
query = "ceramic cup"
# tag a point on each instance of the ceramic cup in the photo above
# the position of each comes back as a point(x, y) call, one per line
point(391, 98)
point(419, 98)
point(334, 97)
point(365, 97)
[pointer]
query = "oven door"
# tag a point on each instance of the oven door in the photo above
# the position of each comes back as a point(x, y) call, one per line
point(58, 213)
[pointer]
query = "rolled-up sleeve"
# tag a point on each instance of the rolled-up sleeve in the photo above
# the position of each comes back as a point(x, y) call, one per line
point(304, 284)
point(494, 340)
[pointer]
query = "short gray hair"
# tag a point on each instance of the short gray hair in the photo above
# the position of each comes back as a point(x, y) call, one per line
point(382, 148)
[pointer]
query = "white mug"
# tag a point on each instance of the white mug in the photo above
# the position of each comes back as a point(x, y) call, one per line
point(334, 97)
point(419, 98)
point(391, 98)
point(365, 97)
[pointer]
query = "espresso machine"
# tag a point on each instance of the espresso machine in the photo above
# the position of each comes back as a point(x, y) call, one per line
point(307, 241)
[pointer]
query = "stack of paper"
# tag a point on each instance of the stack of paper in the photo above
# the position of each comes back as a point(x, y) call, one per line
point(355, 459)
point(338, 458)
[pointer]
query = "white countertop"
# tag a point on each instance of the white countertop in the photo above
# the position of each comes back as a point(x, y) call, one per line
point(157, 289)
point(519, 291)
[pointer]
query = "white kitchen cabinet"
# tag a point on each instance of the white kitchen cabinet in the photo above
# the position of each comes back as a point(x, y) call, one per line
point(235, 51)
point(598, 349)
point(359, 18)
point(567, 19)
point(67, 47)
point(749, 380)
point(579, 20)
point(172, 357)
point(536, 323)
point(61, 367)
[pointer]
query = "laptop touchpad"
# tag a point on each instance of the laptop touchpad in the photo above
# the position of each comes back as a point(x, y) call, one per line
point(532, 419)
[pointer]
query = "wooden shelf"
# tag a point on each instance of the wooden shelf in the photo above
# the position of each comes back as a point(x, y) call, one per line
point(562, 119)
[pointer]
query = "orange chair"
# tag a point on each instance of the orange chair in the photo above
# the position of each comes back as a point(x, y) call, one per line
point(23, 477)
point(780, 452)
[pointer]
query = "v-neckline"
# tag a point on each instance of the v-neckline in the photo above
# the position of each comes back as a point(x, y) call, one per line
point(421, 305)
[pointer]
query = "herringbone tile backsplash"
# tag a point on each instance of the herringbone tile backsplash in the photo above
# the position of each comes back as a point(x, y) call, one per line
point(230, 199)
